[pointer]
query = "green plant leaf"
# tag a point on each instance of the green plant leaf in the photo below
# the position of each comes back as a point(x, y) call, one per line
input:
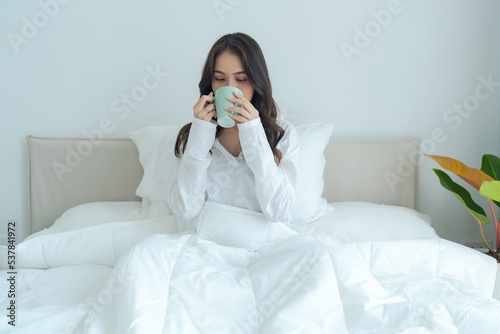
point(490, 164)
point(491, 190)
point(463, 196)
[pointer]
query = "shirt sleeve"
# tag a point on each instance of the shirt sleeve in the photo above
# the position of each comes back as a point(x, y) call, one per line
point(188, 193)
point(274, 184)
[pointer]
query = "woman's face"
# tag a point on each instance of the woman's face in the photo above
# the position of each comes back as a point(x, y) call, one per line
point(229, 71)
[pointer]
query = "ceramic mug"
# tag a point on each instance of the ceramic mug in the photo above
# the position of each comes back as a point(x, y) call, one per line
point(221, 103)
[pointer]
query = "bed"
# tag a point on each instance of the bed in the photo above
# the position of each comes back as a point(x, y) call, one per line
point(106, 255)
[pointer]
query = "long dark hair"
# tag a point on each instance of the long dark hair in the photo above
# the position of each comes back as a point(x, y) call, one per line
point(255, 66)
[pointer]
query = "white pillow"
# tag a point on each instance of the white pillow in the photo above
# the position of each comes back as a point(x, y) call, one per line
point(90, 214)
point(101, 244)
point(161, 167)
point(237, 227)
point(363, 221)
point(91, 233)
point(156, 145)
point(309, 204)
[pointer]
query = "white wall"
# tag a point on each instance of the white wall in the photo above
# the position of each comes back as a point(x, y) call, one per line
point(69, 73)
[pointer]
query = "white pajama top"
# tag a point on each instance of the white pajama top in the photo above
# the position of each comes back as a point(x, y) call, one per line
point(208, 172)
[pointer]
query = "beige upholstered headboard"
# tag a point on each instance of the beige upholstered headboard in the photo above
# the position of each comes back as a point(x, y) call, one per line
point(384, 172)
point(68, 172)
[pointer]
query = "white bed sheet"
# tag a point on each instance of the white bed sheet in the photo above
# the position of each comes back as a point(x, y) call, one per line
point(49, 300)
point(307, 283)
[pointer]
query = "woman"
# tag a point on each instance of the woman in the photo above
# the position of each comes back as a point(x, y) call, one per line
point(251, 165)
point(181, 283)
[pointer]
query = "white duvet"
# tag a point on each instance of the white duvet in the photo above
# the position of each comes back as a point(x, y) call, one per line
point(160, 281)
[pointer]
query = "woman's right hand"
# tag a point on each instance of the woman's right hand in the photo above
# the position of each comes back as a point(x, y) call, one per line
point(204, 109)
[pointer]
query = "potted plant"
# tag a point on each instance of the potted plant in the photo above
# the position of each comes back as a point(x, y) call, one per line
point(484, 180)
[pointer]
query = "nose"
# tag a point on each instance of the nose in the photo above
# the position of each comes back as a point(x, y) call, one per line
point(232, 82)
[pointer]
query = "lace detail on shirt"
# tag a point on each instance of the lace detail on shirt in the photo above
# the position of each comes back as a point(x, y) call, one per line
point(231, 182)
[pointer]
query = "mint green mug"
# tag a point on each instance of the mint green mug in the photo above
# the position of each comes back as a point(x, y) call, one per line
point(221, 103)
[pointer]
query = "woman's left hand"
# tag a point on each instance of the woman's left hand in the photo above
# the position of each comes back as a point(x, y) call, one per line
point(246, 112)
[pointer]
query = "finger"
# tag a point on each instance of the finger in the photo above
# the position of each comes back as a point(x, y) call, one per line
point(210, 97)
point(204, 99)
point(209, 108)
point(205, 113)
point(239, 118)
point(239, 97)
point(210, 115)
point(207, 116)
point(241, 101)
point(203, 110)
point(238, 110)
point(241, 111)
